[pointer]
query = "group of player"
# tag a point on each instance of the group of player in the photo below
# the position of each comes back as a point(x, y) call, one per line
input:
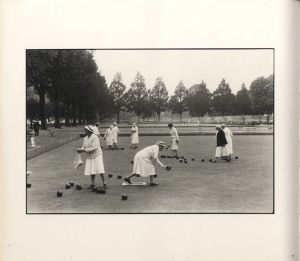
point(143, 163)
point(112, 133)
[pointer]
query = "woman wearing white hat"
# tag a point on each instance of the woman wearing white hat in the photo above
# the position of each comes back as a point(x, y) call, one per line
point(108, 136)
point(94, 160)
point(134, 136)
point(143, 164)
point(115, 131)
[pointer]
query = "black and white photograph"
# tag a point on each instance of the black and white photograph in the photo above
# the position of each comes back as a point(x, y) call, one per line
point(146, 130)
point(150, 131)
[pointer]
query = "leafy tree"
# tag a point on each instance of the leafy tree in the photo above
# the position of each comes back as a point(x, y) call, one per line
point(148, 108)
point(198, 99)
point(177, 101)
point(261, 90)
point(32, 102)
point(38, 66)
point(223, 99)
point(159, 97)
point(243, 101)
point(136, 96)
point(117, 92)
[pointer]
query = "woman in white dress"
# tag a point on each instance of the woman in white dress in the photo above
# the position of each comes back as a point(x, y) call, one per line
point(174, 139)
point(228, 136)
point(143, 164)
point(115, 130)
point(94, 160)
point(108, 136)
point(134, 136)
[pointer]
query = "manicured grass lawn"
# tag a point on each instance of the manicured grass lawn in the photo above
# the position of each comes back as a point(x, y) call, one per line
point(244, 185)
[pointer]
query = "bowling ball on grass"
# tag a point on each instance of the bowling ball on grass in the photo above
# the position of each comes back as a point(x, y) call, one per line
point(110, 175)
point(119, 176)
point(68, 186)
point(100, 190)
point(124, 197)
point(79, 187)
point(59, 194)
point(168, 168)
point(71, 184)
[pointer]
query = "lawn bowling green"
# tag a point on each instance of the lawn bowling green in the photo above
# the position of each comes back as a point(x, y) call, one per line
point(244, 185)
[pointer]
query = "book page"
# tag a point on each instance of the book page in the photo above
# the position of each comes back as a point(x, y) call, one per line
point(200, 210)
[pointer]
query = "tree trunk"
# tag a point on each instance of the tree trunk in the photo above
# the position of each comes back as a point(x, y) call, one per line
point(74, 115)
point(118, 117)
point(56, 115)
point(41, 92)
point(67, 118)
point(180, 117)
point(80, 116)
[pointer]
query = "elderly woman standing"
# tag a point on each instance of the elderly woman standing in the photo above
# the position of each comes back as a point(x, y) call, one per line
point(134, 136)
point(228, 136)
point(115, 131)
point(94, 160)
point(221, 143)
point(108, 136)
point(174, 139)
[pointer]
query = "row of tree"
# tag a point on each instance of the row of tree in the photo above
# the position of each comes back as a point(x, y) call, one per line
point(198, 100)
point(66, 84)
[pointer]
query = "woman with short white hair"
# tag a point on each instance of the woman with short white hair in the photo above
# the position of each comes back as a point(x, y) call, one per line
point(108, 136)
point(134, 136)
point(143, 163)
point(115, 131)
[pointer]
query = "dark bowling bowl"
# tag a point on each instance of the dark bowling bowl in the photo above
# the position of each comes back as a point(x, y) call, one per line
point(182, 157)
point(203, 160)
point(119, 176)
point(124, 197)
point(28, 185)
point(71, 184)
point(59, 194)
point(110, 175)
point(236, 157)
point(68, 186)
point(168, 168)
point(132, 162)
point(181, 161)
point(100, 190)
point(78, 187)
point(193, 159)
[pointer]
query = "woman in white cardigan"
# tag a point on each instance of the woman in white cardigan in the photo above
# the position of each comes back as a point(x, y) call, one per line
point(94, 160)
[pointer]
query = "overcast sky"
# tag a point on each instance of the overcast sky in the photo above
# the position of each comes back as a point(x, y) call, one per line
point(191, 66)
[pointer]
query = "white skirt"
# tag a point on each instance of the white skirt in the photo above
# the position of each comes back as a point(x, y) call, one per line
point(143, 166)
point(174, 144)
point(115, 139)
point(94, 166)
point(109, 142)
point(221, 152)
point(135, 138)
